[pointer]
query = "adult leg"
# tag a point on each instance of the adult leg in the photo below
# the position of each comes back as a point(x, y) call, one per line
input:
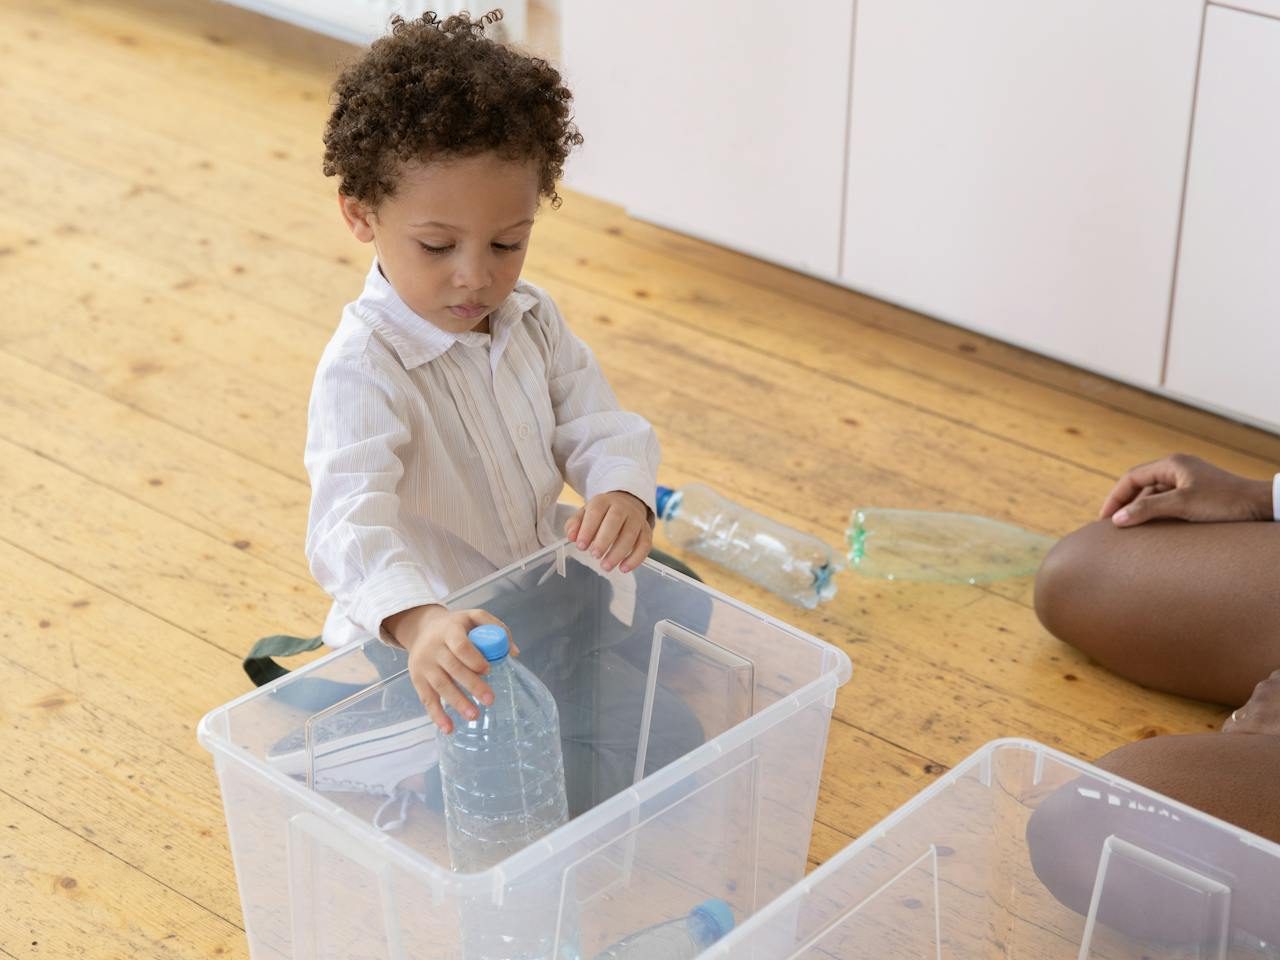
point(1231, 776)
point(1189, 608)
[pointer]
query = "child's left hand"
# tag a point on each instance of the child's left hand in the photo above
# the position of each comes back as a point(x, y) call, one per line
point(615, 528)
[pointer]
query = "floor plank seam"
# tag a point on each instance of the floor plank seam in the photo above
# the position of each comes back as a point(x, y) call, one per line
point(239, 655)
point(61, 826)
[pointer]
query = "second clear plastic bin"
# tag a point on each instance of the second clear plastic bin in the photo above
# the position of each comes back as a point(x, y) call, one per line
point(693, 728)
point(1023, 852)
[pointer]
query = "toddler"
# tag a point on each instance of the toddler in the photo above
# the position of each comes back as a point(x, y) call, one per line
point(453, 402)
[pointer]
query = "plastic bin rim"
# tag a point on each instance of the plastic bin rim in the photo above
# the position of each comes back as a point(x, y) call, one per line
point(617, 806)
point(843, 665)
point(520, 863)
point(960, 771)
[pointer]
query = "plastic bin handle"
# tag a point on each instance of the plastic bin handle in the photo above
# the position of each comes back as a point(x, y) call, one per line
point(305, 827)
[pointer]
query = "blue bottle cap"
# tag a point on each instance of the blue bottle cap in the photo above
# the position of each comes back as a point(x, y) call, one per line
point(490, 640)
point(718, 914)
point(664, 497)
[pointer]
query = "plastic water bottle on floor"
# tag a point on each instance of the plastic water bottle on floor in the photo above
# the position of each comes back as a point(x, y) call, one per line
point(942, 547)
point(504, 788)
point(680, 939)
point(794, 565)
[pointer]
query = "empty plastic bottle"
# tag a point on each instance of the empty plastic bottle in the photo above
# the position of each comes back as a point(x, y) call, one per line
point(948, 547)
point(503, 773)
point(794, 565)
point(680, 939)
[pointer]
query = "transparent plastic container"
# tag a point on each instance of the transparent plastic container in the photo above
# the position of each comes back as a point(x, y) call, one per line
point(1024, 852)
point(693, 731)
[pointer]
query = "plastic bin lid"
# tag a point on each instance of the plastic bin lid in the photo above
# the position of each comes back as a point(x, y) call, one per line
point(491, 640)
point(717, 912)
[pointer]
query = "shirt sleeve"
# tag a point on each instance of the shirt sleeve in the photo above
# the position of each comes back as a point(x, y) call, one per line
point(355, 430)
point(598, 446)
point(1275, 498)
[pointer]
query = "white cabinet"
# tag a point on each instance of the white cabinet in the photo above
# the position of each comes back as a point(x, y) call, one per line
point(1224, 346)
point(720, 119)
point(363, 21)
point(1016, 167)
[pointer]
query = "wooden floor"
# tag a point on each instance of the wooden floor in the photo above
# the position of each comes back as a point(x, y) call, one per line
point(172, 264)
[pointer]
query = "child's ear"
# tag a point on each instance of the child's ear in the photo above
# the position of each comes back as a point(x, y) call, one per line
point(358, 216)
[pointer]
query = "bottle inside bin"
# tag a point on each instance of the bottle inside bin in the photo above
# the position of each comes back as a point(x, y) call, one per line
point(681, 939)
point(502, 773)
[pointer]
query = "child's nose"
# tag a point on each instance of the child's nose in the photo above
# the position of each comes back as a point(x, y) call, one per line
point(472, 276)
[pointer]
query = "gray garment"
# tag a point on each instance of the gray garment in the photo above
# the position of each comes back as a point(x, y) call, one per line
point(596, 666)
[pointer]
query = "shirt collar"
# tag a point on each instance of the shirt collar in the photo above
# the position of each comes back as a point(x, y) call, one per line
point(416, 340)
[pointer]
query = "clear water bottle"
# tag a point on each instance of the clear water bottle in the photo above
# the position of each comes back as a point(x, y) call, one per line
point(680, 939)
point(945, 547)
point(794, 565)
point(503, 773)
point(504, 788)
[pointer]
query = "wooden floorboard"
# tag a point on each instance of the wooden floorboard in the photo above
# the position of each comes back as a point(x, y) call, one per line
point(172, 265)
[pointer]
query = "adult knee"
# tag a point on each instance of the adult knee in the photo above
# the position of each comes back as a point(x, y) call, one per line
point(1066, 579)
point(1231, 776)
point(1228, 775)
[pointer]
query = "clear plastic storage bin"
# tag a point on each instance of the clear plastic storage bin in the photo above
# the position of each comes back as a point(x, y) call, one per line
point(1023, 852)
point(693, 727)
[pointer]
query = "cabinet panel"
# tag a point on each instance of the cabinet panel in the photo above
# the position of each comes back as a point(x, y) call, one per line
point(716, 120)
point(1017, 168)
point(1224, 346)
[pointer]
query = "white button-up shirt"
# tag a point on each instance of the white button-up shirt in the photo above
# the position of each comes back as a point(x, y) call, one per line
point(437, 458)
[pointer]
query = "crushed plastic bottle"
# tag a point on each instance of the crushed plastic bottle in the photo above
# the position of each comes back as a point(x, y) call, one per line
point(681, 939)
point(941, 547)
point(794, 565)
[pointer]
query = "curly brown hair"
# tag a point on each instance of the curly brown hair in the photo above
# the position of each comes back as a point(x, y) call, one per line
point(436, 89)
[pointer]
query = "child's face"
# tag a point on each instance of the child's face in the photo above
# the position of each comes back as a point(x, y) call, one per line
point(453, 238)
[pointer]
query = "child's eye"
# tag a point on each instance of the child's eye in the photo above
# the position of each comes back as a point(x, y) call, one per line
point(436, 250)
point(507, 247)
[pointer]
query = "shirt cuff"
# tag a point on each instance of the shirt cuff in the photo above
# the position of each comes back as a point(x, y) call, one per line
point(626, 478)
point(1275, 498)
point(388, 592)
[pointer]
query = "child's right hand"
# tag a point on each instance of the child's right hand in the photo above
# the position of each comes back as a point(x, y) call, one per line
point(442, 659)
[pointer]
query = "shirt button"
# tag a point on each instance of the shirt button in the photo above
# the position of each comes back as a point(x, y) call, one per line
point(523, 431)
point(546, 501)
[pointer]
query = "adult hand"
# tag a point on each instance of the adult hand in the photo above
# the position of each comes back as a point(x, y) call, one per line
point(1184, 487)
point(1262, 713)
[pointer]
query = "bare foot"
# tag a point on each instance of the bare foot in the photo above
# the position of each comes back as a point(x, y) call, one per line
point(1261, 714)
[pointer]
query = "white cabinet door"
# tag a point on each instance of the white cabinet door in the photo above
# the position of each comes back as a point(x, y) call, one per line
point(1224, 345)
point(1016, 167)
point(721, 119)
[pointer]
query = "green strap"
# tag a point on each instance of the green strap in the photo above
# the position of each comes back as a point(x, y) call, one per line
point(259, 665)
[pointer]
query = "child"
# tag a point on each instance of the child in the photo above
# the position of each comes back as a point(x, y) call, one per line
point(453, 402)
